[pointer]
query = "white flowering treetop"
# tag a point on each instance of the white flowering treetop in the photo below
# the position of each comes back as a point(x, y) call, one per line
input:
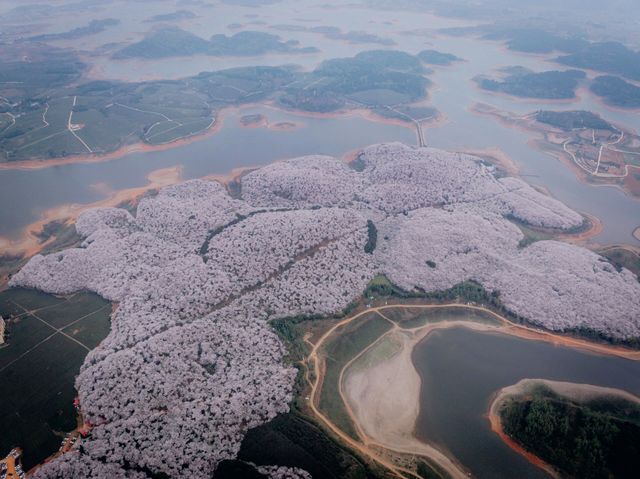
point(191, 364)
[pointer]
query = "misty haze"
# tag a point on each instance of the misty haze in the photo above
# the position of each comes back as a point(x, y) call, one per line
point(319, 239)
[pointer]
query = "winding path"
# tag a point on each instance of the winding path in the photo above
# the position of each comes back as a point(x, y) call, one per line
point(371, 449)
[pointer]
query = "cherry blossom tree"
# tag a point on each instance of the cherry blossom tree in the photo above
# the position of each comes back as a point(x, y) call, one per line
point(191, 363)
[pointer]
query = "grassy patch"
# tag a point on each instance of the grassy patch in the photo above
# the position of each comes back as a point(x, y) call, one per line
point(531, 235)
point(408, 317)
point(622, 258)
point(341, 349)
point(384, 349)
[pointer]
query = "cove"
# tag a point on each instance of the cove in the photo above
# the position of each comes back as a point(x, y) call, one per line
point(461, 369)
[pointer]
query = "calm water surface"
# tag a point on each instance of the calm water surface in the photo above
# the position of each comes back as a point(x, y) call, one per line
point(232, 147)
point(461, 369)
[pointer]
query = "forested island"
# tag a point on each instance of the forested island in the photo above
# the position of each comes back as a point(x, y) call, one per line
point(372, 78)
point(552, 85)
point(174, 42)
point(335, 33)
point(95, 26)
point(178, 15)
point(588, 433)
point(100, 117)
point(609, 57)
point(434, 57)
point(617, 92)
point(572, 120)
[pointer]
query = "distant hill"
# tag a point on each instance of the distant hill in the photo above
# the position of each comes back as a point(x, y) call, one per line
point(173, 17)
point(174, 42)
point(166, 42)
point(95, 26)
point(572, 120)
point(546, 85)
point(608, 57)
point(433, 57)
point(617, 92)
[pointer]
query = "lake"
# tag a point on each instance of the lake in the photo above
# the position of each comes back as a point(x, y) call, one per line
point(233, 146)
point(453, 93)
point(461, 369)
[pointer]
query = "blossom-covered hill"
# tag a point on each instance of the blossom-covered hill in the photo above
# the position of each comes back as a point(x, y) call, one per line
point(191, 363)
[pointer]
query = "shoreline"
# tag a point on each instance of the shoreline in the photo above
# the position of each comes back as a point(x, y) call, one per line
point(496, 157)
point(538, 139)
point(383, 417)
point(372, 391)
point(527, 99)
point(29, 244)
point(139, 147)
point(573, 391)
point(216, 126)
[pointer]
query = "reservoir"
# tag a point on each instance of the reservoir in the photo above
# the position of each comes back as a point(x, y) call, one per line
point(461, 369)
point(453, 93)
point(232, 147)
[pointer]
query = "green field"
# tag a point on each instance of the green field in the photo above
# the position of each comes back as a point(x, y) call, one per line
point(109, 115)
point(100, 117)
point(295, 441)
point(48, 338)
point(408, 317)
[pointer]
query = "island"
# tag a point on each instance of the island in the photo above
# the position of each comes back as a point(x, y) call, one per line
point(434, 57)
point(173, 42)
point(335, 33)
point(550, 85)
point(616, 92)
point(597, 150)
point(610, 57)
point(371, 78)
point(56, 118)
point(94, 27)
point(176, 16)
point(578, 430)
point(278, 268)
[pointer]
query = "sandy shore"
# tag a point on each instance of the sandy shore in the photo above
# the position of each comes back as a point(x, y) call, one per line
point(381, 387)
point(543, 142)
point(384, 397)
point(495, 156)
point(573, 391)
